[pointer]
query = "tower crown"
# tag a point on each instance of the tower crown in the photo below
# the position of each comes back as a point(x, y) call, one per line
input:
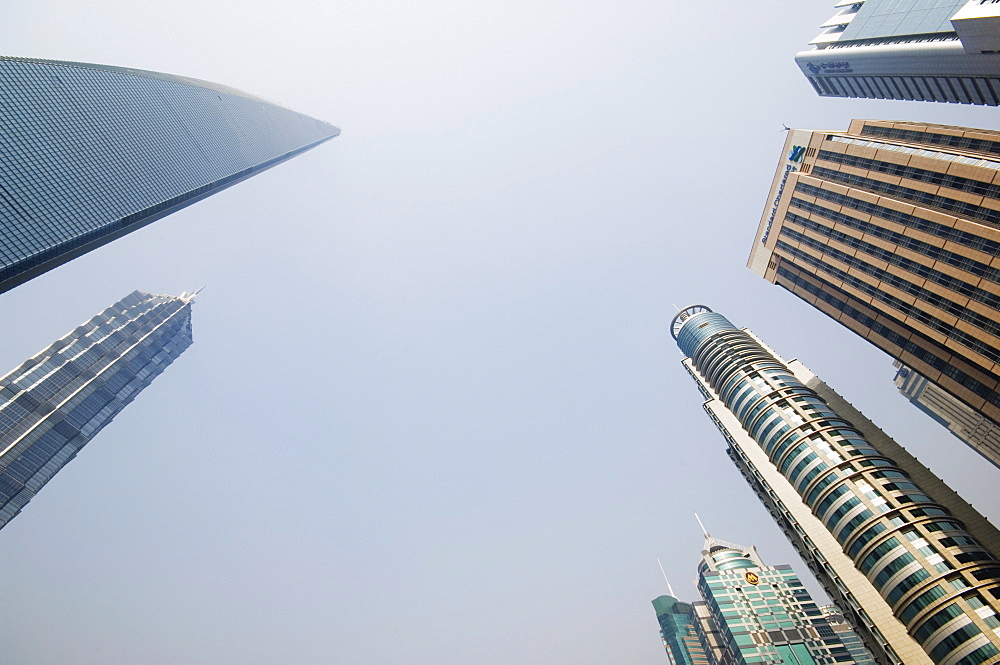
point(694, 324)
point(682, 316)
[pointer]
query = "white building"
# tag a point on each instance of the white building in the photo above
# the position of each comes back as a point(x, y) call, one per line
point(972, 427)
point(925, 50)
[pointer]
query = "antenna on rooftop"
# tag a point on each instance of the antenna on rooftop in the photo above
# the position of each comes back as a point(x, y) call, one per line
point(703, 530)
point(189, 297)
point(669, 588)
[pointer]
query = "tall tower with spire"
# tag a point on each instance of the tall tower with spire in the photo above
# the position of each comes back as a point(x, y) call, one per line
point(911, 565)
point(58, 400)
point(677, 630)
point(751, 613)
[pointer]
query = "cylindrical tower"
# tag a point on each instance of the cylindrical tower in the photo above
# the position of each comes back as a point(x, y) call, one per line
point(941, 583)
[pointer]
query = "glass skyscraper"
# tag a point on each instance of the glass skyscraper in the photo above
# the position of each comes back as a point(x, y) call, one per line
point(57, 401)
point(751, 614)
point(851, 641)
point(89, 153)
point(911, 565)
point(763, 614)
point(678, 633)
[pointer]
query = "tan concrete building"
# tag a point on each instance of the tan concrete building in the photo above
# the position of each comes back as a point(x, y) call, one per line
point(893, 229)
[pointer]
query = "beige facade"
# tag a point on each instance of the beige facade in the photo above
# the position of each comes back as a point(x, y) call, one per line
point(893, 229)
point(897, 634)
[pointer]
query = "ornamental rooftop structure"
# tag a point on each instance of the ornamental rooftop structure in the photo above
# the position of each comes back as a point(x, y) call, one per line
point(57, 401)
point(893, 230)
point(925, 50)
point(912, 566)
point(763, 614)
point(89, 153)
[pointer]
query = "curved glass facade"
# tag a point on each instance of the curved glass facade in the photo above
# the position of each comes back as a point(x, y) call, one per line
point(677, 632)
point(940, 582)
point(90, 152)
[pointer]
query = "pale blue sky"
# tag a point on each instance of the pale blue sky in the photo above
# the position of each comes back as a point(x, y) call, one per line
point(433, 413)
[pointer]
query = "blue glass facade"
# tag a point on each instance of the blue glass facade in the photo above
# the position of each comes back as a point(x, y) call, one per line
point(941, 583)
point(677, 632)
point(56, 402)
point(90, 152)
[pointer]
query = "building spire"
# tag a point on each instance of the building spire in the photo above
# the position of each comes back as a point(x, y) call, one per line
point(711, 543)
point(669, 588)
point(189, 297)
point(704, 531)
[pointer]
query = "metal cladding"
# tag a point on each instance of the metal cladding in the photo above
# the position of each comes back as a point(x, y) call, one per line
point(941, 583)
point(926, 50)
point(56, 402)
point(91, 152)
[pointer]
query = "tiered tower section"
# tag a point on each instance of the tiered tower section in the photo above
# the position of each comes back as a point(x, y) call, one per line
point(56, 402)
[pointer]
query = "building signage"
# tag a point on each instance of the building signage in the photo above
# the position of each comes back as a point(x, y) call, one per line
point(830, 68)
point(789, 168)
point(752, 578)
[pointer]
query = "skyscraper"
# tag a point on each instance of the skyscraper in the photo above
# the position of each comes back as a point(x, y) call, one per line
point(57, 401)
point(975, 429)
point(763, 614)
point(893, 229)
point(708, 632)
point(927, 50)
point(910, 563)
point(677, 632)
point(851, 641)
point(751, 613)
point(92, 152)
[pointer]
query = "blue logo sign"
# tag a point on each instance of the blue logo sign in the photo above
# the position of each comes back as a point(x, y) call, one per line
point(795, 154)
point(830, 68)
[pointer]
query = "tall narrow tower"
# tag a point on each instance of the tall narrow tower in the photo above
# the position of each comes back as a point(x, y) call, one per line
point(678, 633)
point(57, 401)
point(910, 563)
point(92, 152)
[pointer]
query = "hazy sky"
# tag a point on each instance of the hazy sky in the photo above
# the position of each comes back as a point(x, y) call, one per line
point(433, 414)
